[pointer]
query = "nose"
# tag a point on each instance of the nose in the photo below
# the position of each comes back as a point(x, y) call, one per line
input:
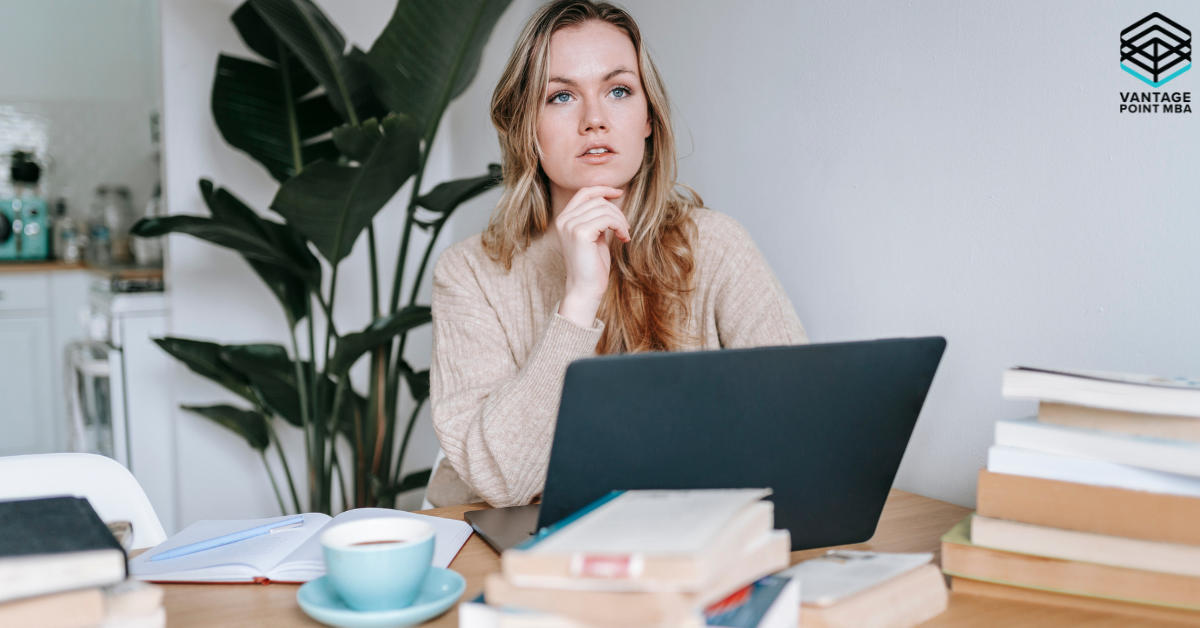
point(594, 117)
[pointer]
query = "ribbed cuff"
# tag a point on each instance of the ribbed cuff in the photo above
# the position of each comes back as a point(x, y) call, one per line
point(568, 340)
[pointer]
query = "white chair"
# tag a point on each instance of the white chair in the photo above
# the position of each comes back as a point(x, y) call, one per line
point(109, 487)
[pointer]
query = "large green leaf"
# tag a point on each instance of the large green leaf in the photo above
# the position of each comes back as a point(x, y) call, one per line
point(272, 373)
point(248, 424)
point(331, 204)
point(308, 33)
point(251, 245)
point(418, 381)
point(428, 54)
point(288, 288)
point(205, 358)
point(255, 32)
point(288, 283)
point(386, 493)
point(256, 113)
point(446, 197)
point(416, 479)
point(351, 347)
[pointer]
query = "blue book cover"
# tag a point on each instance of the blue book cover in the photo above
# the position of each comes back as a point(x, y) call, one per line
point(746, 608)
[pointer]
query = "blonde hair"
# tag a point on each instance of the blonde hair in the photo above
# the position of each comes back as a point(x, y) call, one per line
point(645, 307)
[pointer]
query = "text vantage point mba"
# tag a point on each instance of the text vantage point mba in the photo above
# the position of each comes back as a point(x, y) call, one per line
point(1156, 102)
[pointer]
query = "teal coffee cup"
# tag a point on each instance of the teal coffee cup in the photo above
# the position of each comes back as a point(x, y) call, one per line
point(378, 564)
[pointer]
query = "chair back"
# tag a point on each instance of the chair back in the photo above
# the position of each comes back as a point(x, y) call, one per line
point(109, 487)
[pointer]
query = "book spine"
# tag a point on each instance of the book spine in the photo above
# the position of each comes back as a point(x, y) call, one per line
point(1070, 577)
point(1086, 508)
point(1037, 464)
point(1099, 393)
point(1077, 602)
point(1024, 538)
point(1161, 455)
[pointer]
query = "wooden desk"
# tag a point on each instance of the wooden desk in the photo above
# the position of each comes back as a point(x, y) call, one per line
point(910, 523)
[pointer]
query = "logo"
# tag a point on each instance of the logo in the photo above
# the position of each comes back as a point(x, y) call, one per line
point(1156, 50)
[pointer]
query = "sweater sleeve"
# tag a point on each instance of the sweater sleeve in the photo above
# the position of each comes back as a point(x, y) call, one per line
point(752, 309)
point(495, 420)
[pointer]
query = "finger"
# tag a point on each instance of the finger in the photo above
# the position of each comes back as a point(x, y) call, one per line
point(607, 209)
point(592, 226)
point(595, 191)
point(587, 206)
point(593, 230)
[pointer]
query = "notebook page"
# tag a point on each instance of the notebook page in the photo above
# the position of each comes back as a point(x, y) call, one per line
point(307, 562)
point(659, 522)
point(237, 562)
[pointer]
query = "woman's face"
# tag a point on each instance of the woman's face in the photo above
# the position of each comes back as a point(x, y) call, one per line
point(594, 119)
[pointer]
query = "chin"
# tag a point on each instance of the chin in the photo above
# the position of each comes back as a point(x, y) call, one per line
point(599, 177)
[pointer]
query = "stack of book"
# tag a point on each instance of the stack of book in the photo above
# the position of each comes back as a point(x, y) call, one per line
point(1092, 504)
point(648, 558)
point(61, 567)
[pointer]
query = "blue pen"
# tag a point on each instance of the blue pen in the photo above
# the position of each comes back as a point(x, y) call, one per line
point(200, 546)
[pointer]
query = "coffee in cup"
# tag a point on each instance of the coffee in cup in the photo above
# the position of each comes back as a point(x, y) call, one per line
point(380, 563)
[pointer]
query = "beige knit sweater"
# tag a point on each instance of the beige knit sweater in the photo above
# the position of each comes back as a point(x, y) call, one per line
point(501, 350)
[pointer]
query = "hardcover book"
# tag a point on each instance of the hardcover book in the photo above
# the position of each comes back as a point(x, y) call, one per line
point(55, 544)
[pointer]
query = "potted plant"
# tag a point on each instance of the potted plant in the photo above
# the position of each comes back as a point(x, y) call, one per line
point(342, 131)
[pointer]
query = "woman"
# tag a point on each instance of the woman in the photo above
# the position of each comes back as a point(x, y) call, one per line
point(590, 250)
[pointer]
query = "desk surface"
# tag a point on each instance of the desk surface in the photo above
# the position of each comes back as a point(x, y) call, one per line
point(910, 523)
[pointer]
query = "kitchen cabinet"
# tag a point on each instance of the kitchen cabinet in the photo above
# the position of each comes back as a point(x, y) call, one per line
point(40, 308)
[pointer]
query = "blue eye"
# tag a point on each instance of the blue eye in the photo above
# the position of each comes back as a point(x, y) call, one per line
point(620, 89)
point(555, 99)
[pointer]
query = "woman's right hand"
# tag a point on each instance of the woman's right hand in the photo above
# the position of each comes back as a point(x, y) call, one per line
point(581, 227)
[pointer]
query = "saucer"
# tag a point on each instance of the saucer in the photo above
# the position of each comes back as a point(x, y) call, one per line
point(441, 589)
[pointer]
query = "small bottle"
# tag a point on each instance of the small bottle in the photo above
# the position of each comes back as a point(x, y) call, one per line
point(69, 240)
point(99, 250)
point(149, 251)
point(118, 216)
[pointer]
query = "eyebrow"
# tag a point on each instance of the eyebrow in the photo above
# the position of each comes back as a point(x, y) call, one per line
point(567, 81)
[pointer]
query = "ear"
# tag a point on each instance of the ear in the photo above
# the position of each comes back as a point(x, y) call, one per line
point(649, 127)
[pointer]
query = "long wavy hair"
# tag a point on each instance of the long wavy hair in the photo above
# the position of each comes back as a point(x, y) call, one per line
point(646, 305)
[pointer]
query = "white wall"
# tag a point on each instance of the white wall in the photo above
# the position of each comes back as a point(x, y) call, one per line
point(214, 294)
point(954, 168)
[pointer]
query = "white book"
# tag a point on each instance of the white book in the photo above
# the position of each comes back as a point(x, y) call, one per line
point(1037, 464)
point(1159, 454)
point(285, 556)
point(840, 574)
point(1085, 547)
point(643, 540)
point(1177, 396)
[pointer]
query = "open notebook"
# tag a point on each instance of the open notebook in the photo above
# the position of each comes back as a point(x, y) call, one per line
point(286, 556)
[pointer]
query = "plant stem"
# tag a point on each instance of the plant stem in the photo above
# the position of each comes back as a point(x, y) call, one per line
point(412, 420)
point(287, 470)
point(329, 333)
point(374, 266)
point(433, 236)
point(379, 373)
point(339, 394)
point(306, 417)
point(274, 485)
point(316, 450)
point(402, 256)
point(341, 482)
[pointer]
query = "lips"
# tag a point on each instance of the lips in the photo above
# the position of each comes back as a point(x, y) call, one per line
point(594, 145)
point(597, 159)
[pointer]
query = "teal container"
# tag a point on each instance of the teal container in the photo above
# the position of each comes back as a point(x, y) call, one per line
point(31, 229)
point(8, 246)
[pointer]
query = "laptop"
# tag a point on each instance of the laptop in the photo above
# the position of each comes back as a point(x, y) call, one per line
point(823, 425)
